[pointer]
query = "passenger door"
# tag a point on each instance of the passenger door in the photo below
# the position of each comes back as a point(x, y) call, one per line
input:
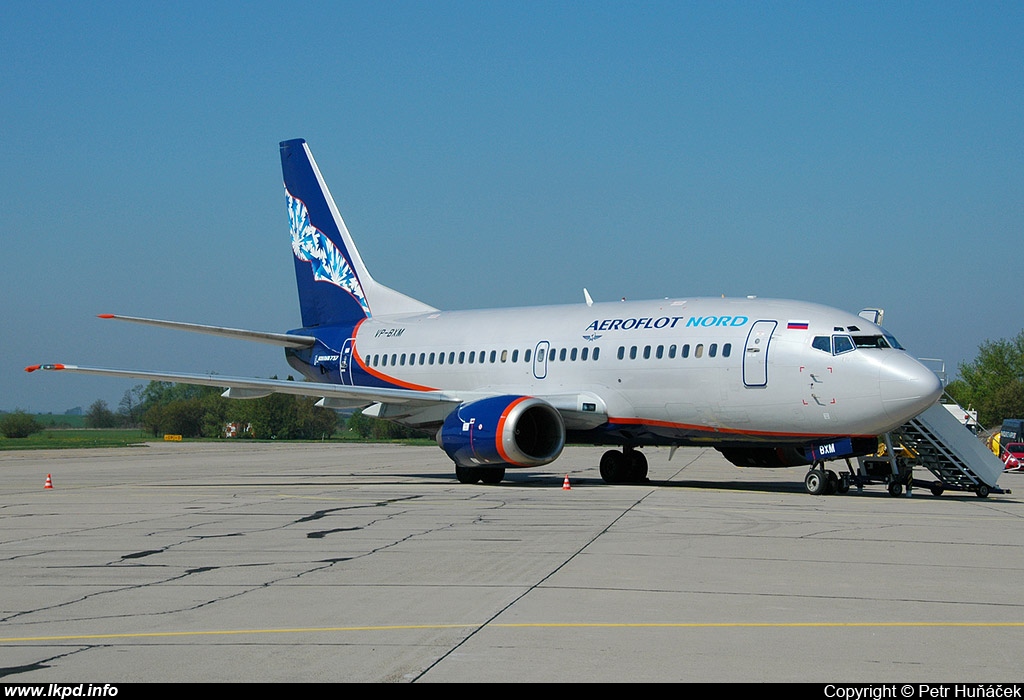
point(755, 354)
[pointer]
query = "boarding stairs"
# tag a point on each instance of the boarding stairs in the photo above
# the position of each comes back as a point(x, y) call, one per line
point(940, 443)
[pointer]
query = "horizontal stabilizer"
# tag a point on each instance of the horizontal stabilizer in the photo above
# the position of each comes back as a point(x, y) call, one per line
point(282, 339)
point(249, 388)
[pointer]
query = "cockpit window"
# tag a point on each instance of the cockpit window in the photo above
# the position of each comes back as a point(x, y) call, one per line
point(842, 343)
point(870, 341)
point(877, 341)
point(893, 343)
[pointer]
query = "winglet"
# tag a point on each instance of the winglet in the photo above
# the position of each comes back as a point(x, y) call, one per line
point(33, 368)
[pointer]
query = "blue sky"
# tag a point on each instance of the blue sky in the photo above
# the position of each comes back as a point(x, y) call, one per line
point(499, 154)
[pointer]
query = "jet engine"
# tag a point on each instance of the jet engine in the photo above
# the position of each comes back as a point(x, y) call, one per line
point(516, 431)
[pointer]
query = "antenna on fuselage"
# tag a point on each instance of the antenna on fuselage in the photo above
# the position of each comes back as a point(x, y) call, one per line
point(586, 297)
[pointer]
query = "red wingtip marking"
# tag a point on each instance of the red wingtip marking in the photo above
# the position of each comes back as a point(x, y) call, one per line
point(32, 368)
point(104, 315)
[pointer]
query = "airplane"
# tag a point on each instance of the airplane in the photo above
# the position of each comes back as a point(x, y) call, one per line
point(766, 382)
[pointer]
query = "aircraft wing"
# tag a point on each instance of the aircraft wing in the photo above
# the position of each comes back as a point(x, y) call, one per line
point(335, 395)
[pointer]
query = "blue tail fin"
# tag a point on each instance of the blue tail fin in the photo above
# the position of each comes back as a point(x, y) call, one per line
point(334, 285)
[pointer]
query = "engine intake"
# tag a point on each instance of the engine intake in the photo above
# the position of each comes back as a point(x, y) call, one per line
point(516, 431)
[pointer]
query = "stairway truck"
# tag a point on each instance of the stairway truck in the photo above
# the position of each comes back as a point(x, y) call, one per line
point(955, 455)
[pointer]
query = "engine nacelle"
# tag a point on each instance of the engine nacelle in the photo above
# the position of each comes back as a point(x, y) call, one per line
point(515, 431)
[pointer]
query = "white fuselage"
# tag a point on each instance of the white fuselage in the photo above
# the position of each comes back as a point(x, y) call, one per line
point(692, 367)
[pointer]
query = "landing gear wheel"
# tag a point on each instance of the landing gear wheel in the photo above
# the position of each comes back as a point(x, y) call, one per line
point(895, 488)
point(816, 482)
point(844, 484)
point(492, 475)
point(982, 491)
point(637, 465)
point(613, 467)
point(467, 475)
point(937, 488)
point(832, 482)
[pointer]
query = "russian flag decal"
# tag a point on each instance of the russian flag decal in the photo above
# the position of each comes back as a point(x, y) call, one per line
point(798, 325)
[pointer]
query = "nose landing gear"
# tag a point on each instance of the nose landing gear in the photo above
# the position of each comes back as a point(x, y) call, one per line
point(824, 482)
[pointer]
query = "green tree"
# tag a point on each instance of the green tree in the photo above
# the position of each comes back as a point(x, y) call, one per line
point(314, 422)
point(130, 407)
point(153, 419)
point(183, 417)
point(217, 413)
point(194, 411)
point(359, 424)
point(19, 425)
point(100, 416)
point(993, 383)
point(366, 428)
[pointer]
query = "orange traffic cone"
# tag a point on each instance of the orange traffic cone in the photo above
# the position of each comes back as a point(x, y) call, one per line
point(565, 484)
point(49, 482)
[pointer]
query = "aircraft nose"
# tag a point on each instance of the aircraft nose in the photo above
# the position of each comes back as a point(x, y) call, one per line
point(907, 387)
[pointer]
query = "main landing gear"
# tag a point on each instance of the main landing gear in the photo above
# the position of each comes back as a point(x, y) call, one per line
point(628, 466)
point(471, 475)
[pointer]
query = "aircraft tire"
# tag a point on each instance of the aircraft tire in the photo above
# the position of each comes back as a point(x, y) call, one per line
point(467, 475)
point(492, 475)
point(612, 467)
point(831, 483)
point(843, 484)
point(816, 482)
point(637, 465)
